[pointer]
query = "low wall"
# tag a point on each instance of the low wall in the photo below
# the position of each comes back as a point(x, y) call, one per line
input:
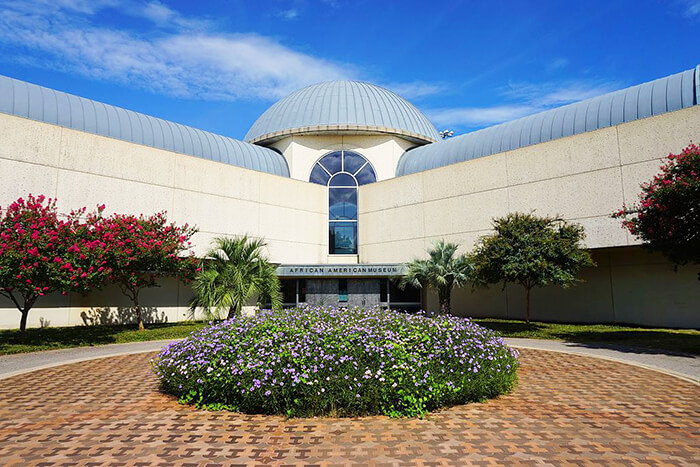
point(630, 285)
point(165, 304)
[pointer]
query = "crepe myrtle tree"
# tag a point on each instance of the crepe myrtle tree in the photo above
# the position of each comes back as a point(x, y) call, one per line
point(42, 253)
point(234, 270)
point(443, 270)
point(143, 249)
point(530, 251)
point(667, 216)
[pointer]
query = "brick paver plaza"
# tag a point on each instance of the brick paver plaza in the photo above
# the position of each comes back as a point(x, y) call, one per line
point(566, 409)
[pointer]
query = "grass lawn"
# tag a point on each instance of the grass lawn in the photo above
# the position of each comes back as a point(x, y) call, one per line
point(675, 340)
point(34, 339)
point(687, 341)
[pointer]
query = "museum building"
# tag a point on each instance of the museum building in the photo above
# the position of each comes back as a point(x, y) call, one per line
point(347, 181)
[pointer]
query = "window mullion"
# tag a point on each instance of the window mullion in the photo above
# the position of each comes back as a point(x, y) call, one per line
point(358, 170)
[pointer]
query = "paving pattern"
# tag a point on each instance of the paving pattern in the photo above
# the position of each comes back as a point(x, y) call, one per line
point(567, 410)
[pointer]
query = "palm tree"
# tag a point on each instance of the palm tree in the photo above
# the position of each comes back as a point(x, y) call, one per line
point(442, 271)
point(234, 270)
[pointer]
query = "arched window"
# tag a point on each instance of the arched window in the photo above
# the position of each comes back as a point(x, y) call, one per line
point(342, 172)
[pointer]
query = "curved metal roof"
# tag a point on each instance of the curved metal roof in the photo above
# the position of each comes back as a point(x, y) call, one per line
point(342, 106)
point(645, 100)
point(59, 108)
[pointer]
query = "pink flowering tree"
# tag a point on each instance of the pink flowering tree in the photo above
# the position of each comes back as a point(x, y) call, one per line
point(42, 253)
point(141, 250)
point(667, 216)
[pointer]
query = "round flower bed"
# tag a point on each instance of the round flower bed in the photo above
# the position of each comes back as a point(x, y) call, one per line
point(335, 361)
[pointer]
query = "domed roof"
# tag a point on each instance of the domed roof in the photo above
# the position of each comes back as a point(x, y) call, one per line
point(351, 106)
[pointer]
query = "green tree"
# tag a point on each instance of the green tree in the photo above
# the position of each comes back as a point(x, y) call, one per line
point(530, 251)
point(667, 216)
point(234, 270)
point(442, 271)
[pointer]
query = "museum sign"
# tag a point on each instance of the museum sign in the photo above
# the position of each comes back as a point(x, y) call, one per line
point(341, 270)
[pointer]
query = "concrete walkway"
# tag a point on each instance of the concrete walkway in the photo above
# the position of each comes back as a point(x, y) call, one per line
point(681, 365)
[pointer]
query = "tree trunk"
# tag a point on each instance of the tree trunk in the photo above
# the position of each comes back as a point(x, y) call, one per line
point(139, 315)
point(231, 312)
point(527, 305)
point(24, 310)
point(23, 320)
point(444, 299)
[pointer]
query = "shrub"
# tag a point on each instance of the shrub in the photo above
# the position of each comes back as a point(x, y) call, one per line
point(345, 362)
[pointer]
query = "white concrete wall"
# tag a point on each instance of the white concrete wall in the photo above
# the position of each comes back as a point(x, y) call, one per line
point(81, 169)
point(583, 178)
point(165, 304)
point(382, 151)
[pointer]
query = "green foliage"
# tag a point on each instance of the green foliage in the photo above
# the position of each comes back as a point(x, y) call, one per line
point(530, 251)
point(667, 217)
point(335, 361)
point(442, 271)
point(234, 271)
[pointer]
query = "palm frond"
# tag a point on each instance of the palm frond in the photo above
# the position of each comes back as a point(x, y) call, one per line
point(235, 270)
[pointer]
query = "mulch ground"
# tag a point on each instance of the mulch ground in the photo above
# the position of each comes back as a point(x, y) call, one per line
point(567, 410)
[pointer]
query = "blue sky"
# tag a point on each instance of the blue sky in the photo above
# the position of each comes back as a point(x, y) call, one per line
point(217, 65)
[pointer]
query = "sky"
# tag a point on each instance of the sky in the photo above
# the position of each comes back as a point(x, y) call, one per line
point(219, 64)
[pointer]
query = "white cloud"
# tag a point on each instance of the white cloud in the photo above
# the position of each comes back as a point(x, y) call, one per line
point(184, 62)
point(158, 13)
point(691, 8)
point(557, 63)
point(416, 89)
point(478, 116)
point(530, 99)
point(289, 14)
point(557, 93)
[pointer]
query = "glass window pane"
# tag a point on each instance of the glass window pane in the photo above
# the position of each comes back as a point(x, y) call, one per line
point(342, 203)
point(343, 179)
point(409, 294)
point(289, 290)
point(302, 290)
point(366, 176)
point(342, 238)
point(318, 175)
point(332, 162)
point(342, 290)
point(353, 161)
